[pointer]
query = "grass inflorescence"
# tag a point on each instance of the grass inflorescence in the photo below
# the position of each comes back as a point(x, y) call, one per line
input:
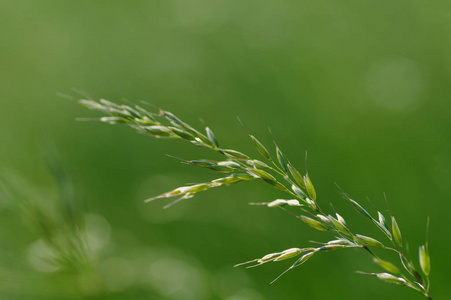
point(279, 173)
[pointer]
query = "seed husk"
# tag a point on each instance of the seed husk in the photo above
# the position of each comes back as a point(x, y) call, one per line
point(388, 266)
point(243, 176)
point(341, 220)
point(230, 164)
point(309, 186)
point(109, 104)
point(281, 159)
point(360, 209)
point(268, 257)
point(276, 184)
point(261, 174)
point(220, 168)
point(260, 147)
point(303, 259)
point(194, 189)
point(131, 111)
point(257, 164)
point(281, 202)
point(382, 220)
point(211, 136)
point(182, 133)
point(325, 220)
point(235, 154)
point(298, 192)
point(425, 260)
point(313, 223)
point(370, 241)
point(289, 253)
point(296, 175)
point(332, 247)
point(277, 203)
point(341, 242)
point(90, 104)
point(226, 180)
point(146, 114)
point(113, 120)
point(396, 232)
point(201, 162)
point(293, 202)
point(391, 278)
point(171, 117)
point(408, 265)
point(159, 131)
point(340, 227)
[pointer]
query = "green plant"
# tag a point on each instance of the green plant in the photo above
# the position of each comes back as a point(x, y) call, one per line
point(57, 219)
point(282, 175)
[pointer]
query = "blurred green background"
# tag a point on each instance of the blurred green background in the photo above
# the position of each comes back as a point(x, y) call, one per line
point(363, 86)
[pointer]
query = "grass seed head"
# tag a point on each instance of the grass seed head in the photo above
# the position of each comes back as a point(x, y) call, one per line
point(301, 186)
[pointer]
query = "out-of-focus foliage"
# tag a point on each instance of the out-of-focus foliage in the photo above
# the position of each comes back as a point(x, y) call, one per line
point(363, 86)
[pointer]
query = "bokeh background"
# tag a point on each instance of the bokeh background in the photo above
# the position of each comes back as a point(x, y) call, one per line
point(363, 86)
